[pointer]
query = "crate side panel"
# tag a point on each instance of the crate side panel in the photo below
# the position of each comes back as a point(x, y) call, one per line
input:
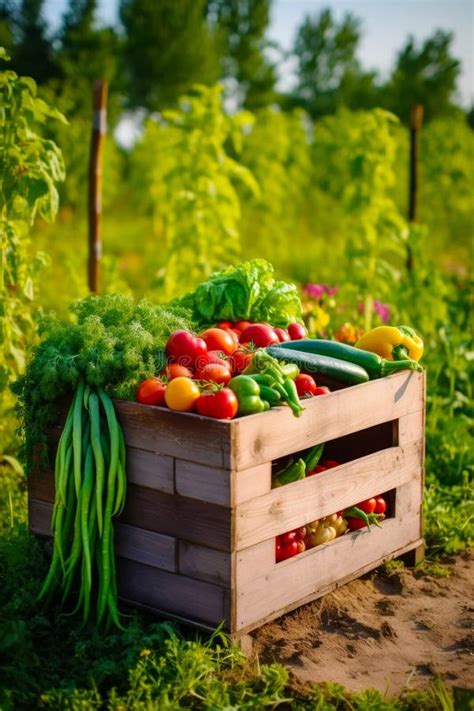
point(263, 590)
point(200, 481)
point(198, 600)
point(251, 482)
point(293, 505)
point(265, 437)
point(155, 471)
point(189, 519)
point(204, 563)
point(199, 439)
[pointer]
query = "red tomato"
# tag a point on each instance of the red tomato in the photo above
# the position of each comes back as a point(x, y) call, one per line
point(368, 506)
point(184, 348)
point(282, 334)
point(300, 533)
point(288, 537)
point(301, 546)
point(216, 357)
point(218, 339)
point(177, 371)
point(329, 463)
point(221, 404)
point(239, 360)
point(224, 324)
point(277, 550)
point(297, 331)
point(260, 335)
point(241, 325)
point(151, 392)
point(317, 470)
point(305, 385)
point(355, 524)
point(214, 372)
point(289, 550)
point(235, 335)
point(380, 505)
point(321, 390)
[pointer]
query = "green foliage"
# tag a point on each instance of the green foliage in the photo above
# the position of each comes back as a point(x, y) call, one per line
point(355, 155)
point(196, 205)
point(329, 75)
point(240, 26)
point(33, 53)
point(30, 168)
point(426, 75)
point(168, 48)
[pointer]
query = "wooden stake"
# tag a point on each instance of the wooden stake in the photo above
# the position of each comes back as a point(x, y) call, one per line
point(99, 128)
point(416, 120)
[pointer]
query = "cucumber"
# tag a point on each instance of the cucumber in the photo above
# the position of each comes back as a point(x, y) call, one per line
point(375, 366)
point(312, 363)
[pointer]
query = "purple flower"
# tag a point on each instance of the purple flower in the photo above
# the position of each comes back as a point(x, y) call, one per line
point(316, 291)
point(382, 310)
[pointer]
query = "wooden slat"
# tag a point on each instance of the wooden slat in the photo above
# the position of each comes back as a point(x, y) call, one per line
point(202, 482)
point(155, 471)
point(188, 519)
point(133, 543)
point(265, 591)
point(179, 594)
point(252, 482)
point(295, 504)
point(264, 437)
point(204, 563)
point(411, 427)
point(199, 439)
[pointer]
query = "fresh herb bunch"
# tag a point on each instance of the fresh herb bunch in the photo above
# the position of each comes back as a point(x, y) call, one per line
point(111, 342)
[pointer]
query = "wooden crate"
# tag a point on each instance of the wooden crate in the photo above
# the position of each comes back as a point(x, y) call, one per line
point(196, 540)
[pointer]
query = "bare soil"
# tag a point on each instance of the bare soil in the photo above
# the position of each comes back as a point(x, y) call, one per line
point(389, 630)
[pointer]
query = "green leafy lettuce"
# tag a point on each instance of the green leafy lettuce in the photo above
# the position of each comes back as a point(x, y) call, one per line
point(245, 292)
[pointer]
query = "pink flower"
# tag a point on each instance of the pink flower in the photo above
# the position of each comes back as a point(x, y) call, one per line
point(317, 291)
point(382, 310)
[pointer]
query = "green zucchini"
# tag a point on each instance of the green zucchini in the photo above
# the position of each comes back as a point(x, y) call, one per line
point(375, 366)
point(312, 363)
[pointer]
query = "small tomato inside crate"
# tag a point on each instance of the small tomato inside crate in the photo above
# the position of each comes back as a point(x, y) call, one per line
point(196, 540)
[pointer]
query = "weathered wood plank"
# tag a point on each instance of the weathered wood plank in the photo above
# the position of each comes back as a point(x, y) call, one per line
point(155, 471)
point(177, 434)
point(204, 563)
point(264, 437)
point(153, 549)
point(200, 481)
point(164, 591)
point(411, 427)
point(187, 519)
point(295, 504)
point(252, 482)
point(264, 588)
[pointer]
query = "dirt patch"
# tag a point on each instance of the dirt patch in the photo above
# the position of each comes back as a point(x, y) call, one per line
point(389, 631)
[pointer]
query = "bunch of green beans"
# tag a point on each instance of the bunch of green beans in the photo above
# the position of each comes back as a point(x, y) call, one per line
point(90, 486)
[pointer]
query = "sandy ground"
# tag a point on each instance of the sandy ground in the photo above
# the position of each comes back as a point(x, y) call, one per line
point(387, 631)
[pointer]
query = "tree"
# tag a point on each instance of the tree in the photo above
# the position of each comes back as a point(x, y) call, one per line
point(241, 26)
point(33, 53)
point(6, 25)
point(329, 74)
point(426, 75)
point(168, 48)
point(86, 52)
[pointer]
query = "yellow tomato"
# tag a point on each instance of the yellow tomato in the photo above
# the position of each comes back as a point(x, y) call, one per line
point(181, 394)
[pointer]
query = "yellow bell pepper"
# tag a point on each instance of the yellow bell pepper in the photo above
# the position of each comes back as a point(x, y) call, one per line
point(392, 343)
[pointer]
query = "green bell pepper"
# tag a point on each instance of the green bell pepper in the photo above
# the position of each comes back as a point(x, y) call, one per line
point(248, 395)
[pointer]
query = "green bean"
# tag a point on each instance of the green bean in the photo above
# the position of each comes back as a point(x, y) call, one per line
point(75, 554)
point(98, 456)
point(51, 576)
point(63, 447)
point(106, 557)
point(86, 493)
point(77, 435)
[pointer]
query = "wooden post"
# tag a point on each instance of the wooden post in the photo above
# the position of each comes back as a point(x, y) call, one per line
point(99, 128)
point(416, 120)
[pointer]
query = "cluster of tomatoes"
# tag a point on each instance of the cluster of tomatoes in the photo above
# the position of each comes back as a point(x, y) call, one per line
point(316, 533)
point(200, 367)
